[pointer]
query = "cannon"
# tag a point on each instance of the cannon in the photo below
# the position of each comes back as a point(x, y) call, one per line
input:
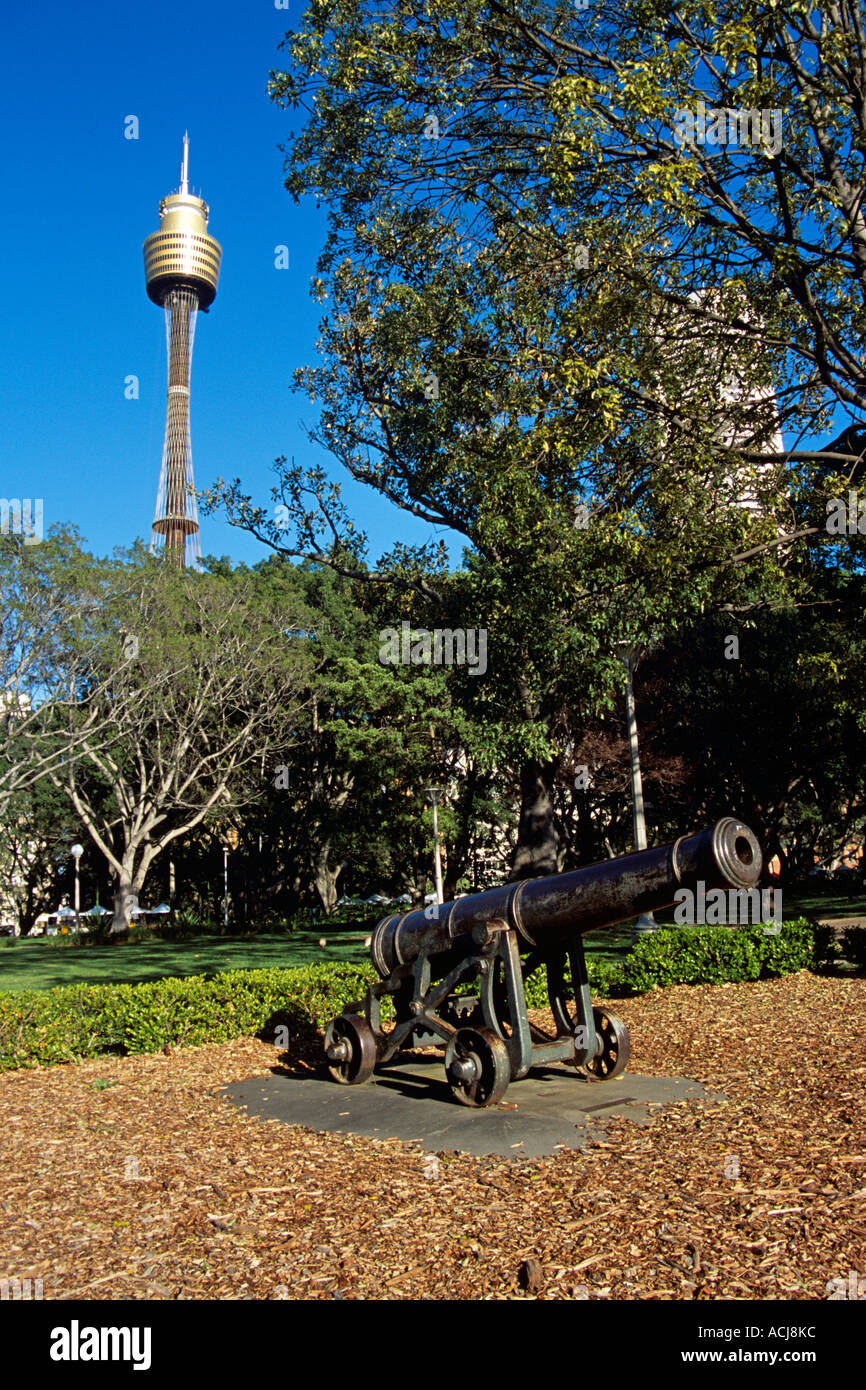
point(494, 941)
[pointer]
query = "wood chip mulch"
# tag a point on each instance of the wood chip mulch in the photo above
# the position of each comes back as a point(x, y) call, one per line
point(129, 1178)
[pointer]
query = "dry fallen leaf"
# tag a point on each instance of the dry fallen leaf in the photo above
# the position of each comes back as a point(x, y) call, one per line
point(108, 1199)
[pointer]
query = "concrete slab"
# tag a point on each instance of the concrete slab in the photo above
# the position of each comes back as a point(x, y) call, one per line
point(551, 1108)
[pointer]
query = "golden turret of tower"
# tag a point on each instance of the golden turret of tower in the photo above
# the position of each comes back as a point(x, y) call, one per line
point(181, 255)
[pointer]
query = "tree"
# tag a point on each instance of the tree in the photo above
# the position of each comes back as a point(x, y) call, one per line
point(376, 734)
point(508, 354)
point(689, 146)
point(48, 593)
point(779, 732)
point(224, 685)
point(37, 827)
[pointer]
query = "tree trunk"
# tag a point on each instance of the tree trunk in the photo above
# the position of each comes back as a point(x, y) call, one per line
point(125, 900)
point(325, 878)
point(537, 848)
point(588, 844)
point(459, 850)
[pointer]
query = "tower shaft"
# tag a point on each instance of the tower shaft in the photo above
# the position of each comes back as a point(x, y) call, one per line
point(175, 520)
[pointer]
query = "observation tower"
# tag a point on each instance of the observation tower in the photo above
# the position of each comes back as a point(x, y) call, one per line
point(181, 266)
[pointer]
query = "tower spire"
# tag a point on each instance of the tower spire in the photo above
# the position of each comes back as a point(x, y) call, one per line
point(184, 168)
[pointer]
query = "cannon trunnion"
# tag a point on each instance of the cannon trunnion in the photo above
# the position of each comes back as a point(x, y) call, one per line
point(497, 940)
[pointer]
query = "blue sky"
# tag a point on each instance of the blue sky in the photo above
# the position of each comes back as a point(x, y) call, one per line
point(80, 200)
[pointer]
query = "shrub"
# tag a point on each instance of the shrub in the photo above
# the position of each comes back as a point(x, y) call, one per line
point(64, 940)
point(73, 1021)
point(702, 955)
point(715, 955)
point(603, 976)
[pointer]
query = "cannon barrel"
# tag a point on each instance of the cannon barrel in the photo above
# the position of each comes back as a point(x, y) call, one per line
point(549, 910)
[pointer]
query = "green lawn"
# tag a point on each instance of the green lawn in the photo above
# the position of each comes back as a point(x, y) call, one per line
point(824, 902)
point(39, 964)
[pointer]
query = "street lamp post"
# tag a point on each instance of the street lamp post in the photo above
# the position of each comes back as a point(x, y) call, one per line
point(629, 655)
point(76, 851)
point(226, 887)
point(232, 840)
point(434, 793)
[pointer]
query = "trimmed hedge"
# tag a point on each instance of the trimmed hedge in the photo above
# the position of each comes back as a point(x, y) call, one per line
point(714, 955)
point(75, 1021)
point(603, 978)
point(702, 955)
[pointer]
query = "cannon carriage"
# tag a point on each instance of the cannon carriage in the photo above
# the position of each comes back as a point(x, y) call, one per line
point(494, 941)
